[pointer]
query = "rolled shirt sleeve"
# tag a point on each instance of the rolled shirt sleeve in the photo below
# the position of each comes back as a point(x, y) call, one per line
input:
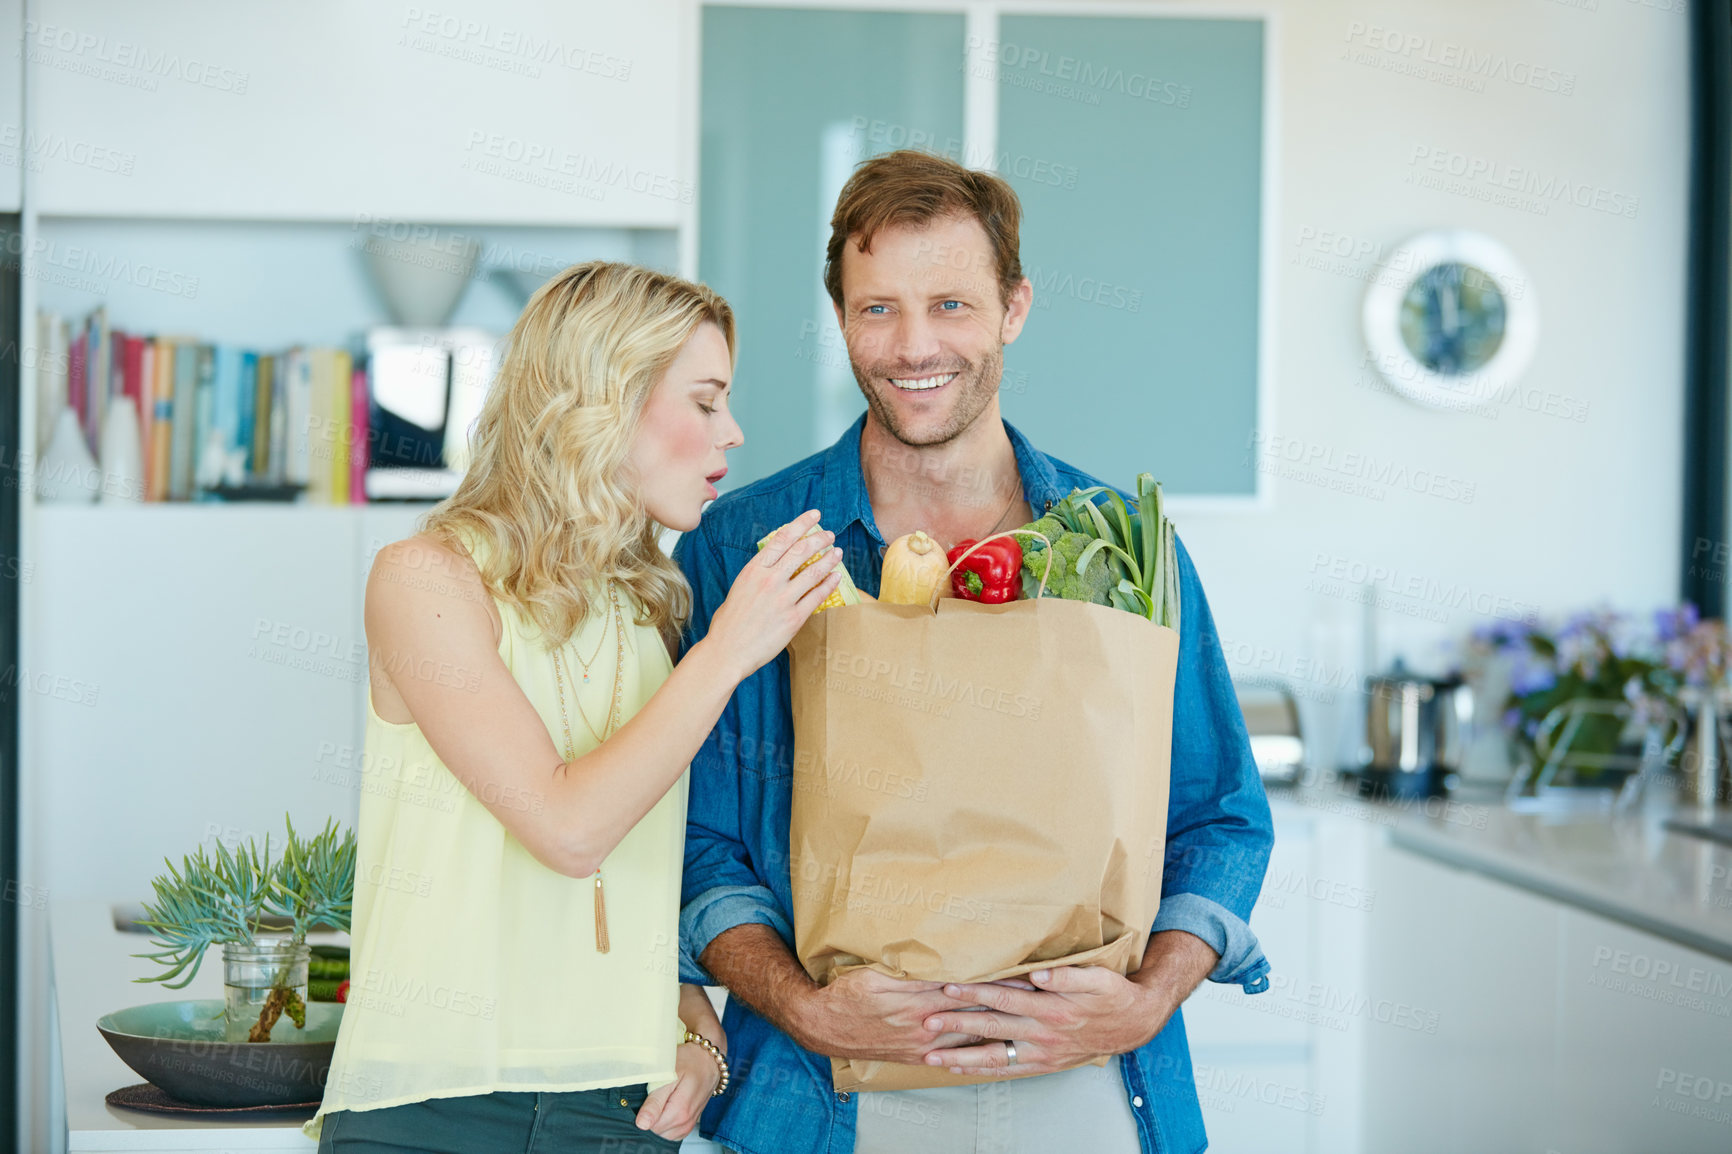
point(1242, 961)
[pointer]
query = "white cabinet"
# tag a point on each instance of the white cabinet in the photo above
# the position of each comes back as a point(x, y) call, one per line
point(199, 671)
point(1462, 975)
point(1554, 1029)
point(1644, 1048)
point(514, 111)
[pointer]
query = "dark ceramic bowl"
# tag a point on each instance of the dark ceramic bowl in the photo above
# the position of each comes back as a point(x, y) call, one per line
point(179, 1047)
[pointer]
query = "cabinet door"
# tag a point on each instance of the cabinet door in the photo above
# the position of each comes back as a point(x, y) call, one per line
point(196, 672)
point(1644, 1049)
point(1136, 145)
point(787, 115)
point(1460, 1008)
point(513, 111)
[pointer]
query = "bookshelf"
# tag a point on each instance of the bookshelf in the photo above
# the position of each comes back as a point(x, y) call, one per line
point(196, 670)
point(266, 286)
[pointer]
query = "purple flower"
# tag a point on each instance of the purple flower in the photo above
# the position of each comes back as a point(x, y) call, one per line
point(1530, 675)
point(1671, 624)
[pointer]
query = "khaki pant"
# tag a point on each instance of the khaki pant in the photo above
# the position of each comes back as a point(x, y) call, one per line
point(1081, 1109)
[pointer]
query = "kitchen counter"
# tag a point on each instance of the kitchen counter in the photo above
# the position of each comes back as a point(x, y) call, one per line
point(93, 975)
point(1629, 869)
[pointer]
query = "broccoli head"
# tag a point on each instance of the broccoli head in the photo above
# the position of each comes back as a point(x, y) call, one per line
point(1094, 584)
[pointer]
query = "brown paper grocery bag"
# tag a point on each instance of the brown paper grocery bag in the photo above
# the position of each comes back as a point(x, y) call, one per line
point(979, 791)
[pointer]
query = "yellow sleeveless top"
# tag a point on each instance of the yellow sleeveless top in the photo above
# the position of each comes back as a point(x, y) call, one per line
point(473, 965)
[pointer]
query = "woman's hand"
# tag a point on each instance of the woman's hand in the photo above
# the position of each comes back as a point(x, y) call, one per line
point(768, 602)
point(672, 1111)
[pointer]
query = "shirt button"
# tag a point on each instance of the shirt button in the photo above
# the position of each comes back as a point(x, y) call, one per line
point(1137, 1103)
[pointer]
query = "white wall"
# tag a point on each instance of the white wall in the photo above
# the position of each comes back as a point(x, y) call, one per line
point(1565, 514)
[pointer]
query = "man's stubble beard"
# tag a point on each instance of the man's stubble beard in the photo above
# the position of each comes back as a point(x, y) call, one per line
point(975, 384)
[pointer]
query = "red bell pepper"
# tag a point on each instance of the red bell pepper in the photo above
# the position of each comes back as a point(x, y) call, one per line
point(991, 575)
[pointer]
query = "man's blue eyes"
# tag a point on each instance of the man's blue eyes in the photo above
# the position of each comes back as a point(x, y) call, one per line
point(947, 306)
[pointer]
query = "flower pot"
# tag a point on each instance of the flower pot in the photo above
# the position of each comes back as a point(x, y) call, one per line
point(268, 977)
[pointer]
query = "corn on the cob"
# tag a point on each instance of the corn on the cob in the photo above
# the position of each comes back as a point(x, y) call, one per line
point(844, 594)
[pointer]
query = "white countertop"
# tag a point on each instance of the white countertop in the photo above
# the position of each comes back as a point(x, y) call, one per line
point(93, 975)
point(1628, 869)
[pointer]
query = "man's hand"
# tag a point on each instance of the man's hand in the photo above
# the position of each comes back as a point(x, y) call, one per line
point(867, 1015)
point(862, 1014)
point(1074, 1014)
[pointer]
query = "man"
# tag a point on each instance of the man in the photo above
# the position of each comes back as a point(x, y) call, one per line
point(923, 269)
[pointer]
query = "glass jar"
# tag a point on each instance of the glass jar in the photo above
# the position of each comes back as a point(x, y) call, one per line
point(271, 972)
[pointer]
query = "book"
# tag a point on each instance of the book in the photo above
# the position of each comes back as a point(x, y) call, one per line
point(207, 435)
point(99, 366)
point(241, 450)
point(78, 352)
point(299, 382)
point(165, 414)
point(263, 416)
point(217, 441)
point(342, 439)
point(185, 420)
point(359, 422)
point(279, 417)
point(144, 396)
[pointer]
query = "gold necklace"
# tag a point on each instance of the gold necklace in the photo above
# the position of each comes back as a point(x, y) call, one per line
point(601, 939)
point(599, 642)
point(612, 723)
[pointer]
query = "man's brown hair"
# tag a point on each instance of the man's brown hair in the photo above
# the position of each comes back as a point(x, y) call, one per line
point(908, 187)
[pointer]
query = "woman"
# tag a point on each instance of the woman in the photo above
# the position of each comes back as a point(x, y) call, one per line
point(514, 983)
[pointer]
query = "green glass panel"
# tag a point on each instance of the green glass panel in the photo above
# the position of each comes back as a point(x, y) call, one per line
point(1135, 145)
point(792, 100)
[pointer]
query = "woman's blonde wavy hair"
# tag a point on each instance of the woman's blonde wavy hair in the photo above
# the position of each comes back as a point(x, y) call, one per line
point(546, 487)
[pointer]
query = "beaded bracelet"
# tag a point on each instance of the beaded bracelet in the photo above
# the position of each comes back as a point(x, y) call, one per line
point(697, 1039)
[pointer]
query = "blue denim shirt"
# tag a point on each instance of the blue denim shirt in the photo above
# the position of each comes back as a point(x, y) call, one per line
point(1218, 828)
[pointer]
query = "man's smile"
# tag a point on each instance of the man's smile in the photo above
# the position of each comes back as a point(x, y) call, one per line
point(921, 384)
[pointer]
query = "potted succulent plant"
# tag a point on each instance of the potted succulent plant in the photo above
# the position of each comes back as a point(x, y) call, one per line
point(226, 896)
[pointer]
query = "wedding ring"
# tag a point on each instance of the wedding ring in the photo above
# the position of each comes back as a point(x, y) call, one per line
point(1010, 1053)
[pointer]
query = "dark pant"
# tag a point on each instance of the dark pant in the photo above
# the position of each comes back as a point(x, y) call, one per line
point(578, 1122)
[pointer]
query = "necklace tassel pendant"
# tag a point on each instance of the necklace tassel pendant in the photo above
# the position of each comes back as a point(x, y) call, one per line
point(600, 916)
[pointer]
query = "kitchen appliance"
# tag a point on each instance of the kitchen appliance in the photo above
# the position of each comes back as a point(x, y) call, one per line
point(1416, 729)
point(1272, 721)
point(428, 385)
